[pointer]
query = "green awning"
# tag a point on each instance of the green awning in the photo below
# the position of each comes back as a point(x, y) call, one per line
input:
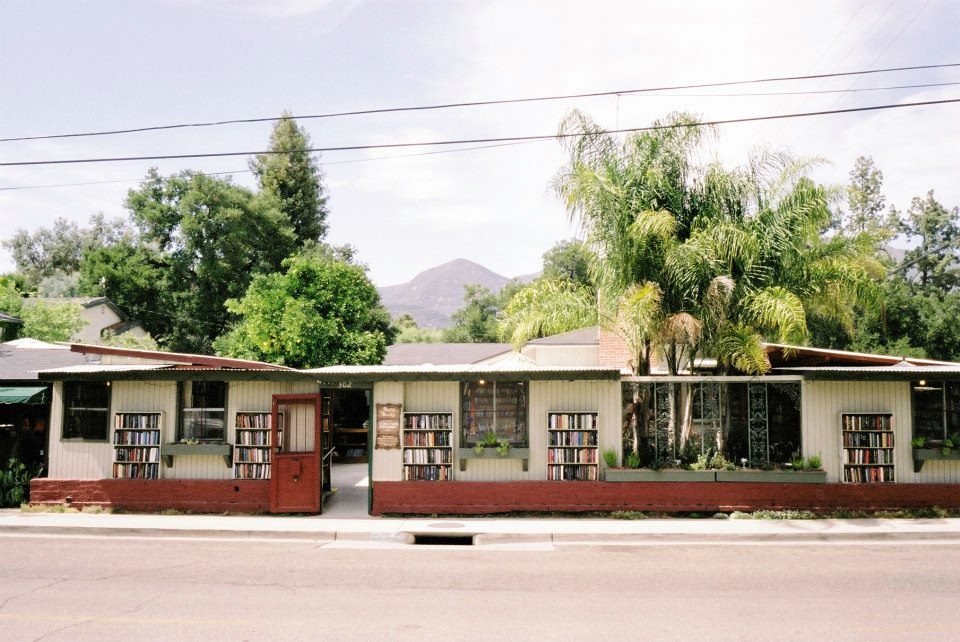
point(23, 394)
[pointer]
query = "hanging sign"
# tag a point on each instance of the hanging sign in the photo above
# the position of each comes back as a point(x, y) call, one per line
point(388, 426)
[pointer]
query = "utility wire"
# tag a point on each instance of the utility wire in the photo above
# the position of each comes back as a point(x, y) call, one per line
point(500, 139)
point(247, 171)
point(481, 103)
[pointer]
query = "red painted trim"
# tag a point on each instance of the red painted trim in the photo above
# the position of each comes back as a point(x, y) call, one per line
point(672, 497)
point(177, 357)
point(194, 495)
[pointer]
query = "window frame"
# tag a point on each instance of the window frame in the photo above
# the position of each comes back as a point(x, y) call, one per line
point(522, 416)
point(945, 410)
point(70, 390)
point(183, 409)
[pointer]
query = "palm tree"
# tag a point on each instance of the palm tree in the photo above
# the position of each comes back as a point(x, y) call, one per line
point(691, 259)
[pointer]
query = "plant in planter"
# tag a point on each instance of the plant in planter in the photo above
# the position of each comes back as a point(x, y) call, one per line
point(489, 440)
point(797, 463)
point(814, 462)
point(610, 457)
point(919, 442)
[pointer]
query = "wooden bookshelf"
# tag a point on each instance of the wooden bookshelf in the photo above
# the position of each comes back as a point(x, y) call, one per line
point(572, 446)
point(136, 445)
point(867, 447)
point(427, 446)
point(253, 446)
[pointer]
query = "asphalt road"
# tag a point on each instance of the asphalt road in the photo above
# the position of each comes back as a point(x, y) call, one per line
point(118, 588)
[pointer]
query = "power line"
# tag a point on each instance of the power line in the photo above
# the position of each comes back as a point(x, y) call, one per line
point(481, 103)
point(247, 171)
point(500, 139)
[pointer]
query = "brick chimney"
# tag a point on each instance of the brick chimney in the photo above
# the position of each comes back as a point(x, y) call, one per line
point(613, 351)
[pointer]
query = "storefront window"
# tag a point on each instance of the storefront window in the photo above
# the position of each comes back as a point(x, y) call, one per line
point(498, 407)
point(203, 408)
point(936, 409)
point(86, 410)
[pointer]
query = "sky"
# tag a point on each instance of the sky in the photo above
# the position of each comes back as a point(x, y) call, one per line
point(73, 66)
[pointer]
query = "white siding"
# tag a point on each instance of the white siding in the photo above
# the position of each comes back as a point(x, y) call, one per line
point(386, 463)
point(93, 460)
point(74, 459)
point(824, 401)
point(602, 397)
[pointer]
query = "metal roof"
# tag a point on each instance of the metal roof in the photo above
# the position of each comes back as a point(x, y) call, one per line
point(412, 354)
point(582, 337)
point(896, 372)
point(505, 370)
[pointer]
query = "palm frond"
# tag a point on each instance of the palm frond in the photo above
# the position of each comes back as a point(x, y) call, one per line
point(779, 311)
point(545, 307)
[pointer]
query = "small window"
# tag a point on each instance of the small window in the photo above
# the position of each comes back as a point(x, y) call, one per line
point(203, 409)
point(498, 407)
point(86, 410)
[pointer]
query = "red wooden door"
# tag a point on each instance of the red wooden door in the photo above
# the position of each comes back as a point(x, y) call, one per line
point(296, 477)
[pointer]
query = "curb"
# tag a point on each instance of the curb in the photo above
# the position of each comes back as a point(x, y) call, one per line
point(488, 538)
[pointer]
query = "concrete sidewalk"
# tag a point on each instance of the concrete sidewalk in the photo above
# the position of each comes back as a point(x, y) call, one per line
point(482, 530)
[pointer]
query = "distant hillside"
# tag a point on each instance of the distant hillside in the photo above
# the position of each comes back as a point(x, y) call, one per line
point(434, 294)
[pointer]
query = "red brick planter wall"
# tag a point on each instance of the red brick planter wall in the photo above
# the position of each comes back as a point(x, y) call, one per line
point(498, 497)
point(195, 495)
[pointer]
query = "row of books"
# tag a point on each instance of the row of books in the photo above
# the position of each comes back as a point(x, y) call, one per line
point(572, 473)
point(573, 438)
point(426, 473)
point(251, 454)
point(427, 456)
point(428, 422)
point(259, 420)
point(867, 475)
point(136, 471)
point(572, 421)
point(137, 454)
point(146, 421)
point(572, 456)
point(868, 456)
point(868, 439)
point(254, 437)
point(426, 439)
point(867, 422)
point(136, 437)
point(251, 471)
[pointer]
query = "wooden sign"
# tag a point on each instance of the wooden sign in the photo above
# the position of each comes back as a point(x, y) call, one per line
point(388, 426)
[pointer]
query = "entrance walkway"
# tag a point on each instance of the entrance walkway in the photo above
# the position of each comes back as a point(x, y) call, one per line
point(349, 497)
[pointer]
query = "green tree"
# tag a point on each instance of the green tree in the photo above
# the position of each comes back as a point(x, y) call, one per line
point(317, 311)
point(931, 266)
point(291, 176)
point(51, 321)
point(42, 321)
point(52, 256)
point(545, 307)
point(211, 237)
point(406, 330)
point(135, 276)
point(476, 321)
point(865, 201)
point(570, 260)
point(695, 259)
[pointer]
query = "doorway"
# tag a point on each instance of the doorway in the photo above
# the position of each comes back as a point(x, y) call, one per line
point(349, 417)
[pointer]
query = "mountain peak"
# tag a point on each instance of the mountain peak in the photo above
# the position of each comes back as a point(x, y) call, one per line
point(434, 294)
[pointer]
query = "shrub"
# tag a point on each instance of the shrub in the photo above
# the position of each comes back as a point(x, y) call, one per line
point(15, 484)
